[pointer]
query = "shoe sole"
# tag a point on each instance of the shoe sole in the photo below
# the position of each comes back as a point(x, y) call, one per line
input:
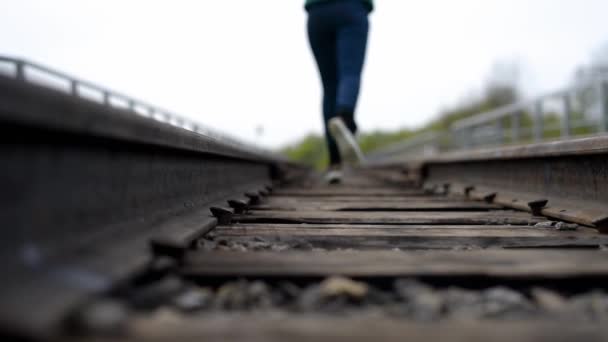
point(347, 145)
point(333, 178)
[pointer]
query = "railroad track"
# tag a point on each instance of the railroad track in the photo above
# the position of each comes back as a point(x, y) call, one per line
point(117, 226)
point(380, 258)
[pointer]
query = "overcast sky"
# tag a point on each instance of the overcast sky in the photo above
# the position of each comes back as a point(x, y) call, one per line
point(235, 65)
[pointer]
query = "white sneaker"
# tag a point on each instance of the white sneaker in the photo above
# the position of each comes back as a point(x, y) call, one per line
point(333, 176)
point(347, 145)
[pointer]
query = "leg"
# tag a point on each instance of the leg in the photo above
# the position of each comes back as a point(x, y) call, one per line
point(323, 44)
point(351, 47)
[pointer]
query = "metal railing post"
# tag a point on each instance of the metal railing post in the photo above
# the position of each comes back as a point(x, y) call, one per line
point(467, 137)
point(461, 140)
point(455, 141)
point(20, 71)
point(567, 116)
point(131, 105)
point(106, 98)
point(603, 98)
point(515, 126)
point(500, 132)
point(538, 128)
point(73, 87)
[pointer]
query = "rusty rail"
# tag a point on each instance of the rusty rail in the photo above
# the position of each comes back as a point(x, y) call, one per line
point(566, 180)
point(92, 192)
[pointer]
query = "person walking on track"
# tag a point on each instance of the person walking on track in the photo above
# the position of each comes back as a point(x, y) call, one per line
point(338, 31)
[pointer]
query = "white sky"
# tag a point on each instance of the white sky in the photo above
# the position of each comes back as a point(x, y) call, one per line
point(235, 65)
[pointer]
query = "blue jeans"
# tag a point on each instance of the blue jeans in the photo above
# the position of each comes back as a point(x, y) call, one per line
point(337, 31)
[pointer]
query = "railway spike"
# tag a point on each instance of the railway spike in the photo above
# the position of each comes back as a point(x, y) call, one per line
point(601, 224)
point(445, 189)
point(430, 188)
point(489, 197)
point(239, 206)
point(223, 215)
point(103, 317)
point(468, 189)
point(254, 198)
point(536, 206)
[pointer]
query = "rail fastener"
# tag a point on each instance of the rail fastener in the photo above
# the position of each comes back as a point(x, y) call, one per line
point(223, 215)
point(254, 198)
point(238, 205)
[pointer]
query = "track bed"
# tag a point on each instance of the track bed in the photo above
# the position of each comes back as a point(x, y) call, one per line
point(373, 258)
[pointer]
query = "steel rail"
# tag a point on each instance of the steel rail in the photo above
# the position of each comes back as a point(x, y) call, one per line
point(92, 193)
point(566, 180)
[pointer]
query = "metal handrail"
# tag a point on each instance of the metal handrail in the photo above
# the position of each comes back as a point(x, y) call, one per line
point(465, 128)
point(464, 133)
point(152, 112)
point(502, 112)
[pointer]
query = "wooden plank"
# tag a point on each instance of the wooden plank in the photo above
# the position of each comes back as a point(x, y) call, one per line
point(348, 191)
point(361, 243)
point(549, 264)
point(357, 199)
point(253, 327)
point(421, 217)
point(402, 231)
point(423, 229)
point(378, 206)
point(358, 181)
point(415, 238)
